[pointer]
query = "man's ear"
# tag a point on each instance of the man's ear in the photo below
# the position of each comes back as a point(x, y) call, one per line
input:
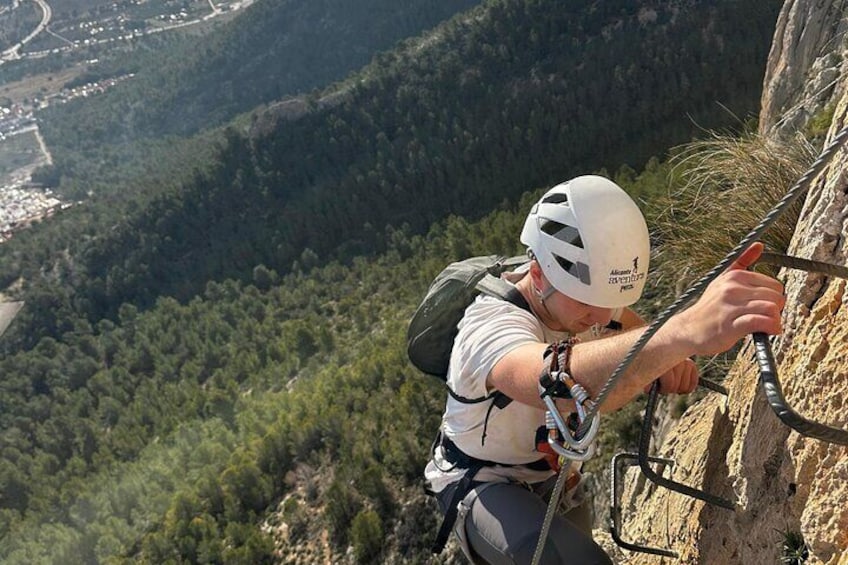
point(537, 276)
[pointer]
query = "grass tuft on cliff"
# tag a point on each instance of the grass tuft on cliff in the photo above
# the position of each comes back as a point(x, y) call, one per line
point(726, 185)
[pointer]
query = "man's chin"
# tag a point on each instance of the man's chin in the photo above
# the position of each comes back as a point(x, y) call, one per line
point(581, 327)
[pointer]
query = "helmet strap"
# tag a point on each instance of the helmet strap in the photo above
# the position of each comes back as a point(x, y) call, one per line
point(545, 295)
point(541, 295)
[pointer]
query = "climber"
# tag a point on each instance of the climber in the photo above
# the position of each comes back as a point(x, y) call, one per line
point(589, 250)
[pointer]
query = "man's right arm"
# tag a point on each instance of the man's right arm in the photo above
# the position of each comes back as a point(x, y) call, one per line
point(737, 303)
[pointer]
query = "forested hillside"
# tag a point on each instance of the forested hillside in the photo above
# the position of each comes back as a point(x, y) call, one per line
point(172, 433)
point(118, 150)
point(220, 376)
point(275, 49)
point(515, 95)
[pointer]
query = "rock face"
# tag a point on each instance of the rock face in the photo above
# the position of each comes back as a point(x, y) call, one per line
point(805, 65)
point(782, 483)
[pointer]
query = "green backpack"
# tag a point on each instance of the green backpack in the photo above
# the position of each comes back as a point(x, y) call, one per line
point(433, 326)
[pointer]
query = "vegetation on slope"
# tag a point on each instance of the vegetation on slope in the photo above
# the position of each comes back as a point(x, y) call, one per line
point(519, 95)
point(730, 183)
point(256, 416)
point(172, 430)
point(239, 385)
point(276, 48)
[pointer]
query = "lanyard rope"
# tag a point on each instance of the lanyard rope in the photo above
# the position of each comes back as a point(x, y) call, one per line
point(799, 188)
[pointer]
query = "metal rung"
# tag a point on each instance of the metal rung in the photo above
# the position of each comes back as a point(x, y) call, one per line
point(644, 447)
point(774, 395)
point(768, 368)
point(615, 505)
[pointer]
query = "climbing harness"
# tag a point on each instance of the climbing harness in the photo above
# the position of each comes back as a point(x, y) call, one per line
point(471, 465)
point(589, 416)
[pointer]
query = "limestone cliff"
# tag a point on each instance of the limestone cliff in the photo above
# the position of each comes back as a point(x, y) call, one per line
point(781, 482)
point(806, 63)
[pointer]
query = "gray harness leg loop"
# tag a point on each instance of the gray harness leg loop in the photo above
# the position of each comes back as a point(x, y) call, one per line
point(463, 509)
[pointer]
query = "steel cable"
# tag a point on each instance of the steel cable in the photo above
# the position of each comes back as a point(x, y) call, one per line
point(800, 186)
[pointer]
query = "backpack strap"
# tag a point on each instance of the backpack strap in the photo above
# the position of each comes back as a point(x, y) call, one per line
point(499, 288)
point(466, 400)
point(495, 286)
point(465, 485)
point(492, 285)
point(511, 263)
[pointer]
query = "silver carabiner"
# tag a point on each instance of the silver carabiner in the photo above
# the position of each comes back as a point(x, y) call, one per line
point(567, 434)
point(574, 453)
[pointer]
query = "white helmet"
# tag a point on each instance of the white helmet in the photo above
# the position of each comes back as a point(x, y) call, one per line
point(591, 241)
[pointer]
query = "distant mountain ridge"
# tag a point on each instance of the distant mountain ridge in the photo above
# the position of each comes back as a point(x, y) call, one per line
point(515, 97)
point(509, 97)
point(276, 48)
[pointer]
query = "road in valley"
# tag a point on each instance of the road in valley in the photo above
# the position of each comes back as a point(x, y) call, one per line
point(13, 51)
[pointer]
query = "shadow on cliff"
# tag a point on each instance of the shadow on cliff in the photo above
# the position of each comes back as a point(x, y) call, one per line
point(762, 487)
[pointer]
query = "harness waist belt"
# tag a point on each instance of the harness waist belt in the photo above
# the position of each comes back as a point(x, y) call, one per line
point(456, 456)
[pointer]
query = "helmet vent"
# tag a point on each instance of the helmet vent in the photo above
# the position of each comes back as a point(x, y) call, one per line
point(551, 228)
point(556, 198)
point(565, 264)
point(577, 270)
point(564, 233)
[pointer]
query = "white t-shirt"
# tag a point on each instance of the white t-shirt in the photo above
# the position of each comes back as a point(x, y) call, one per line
point(490, 329)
